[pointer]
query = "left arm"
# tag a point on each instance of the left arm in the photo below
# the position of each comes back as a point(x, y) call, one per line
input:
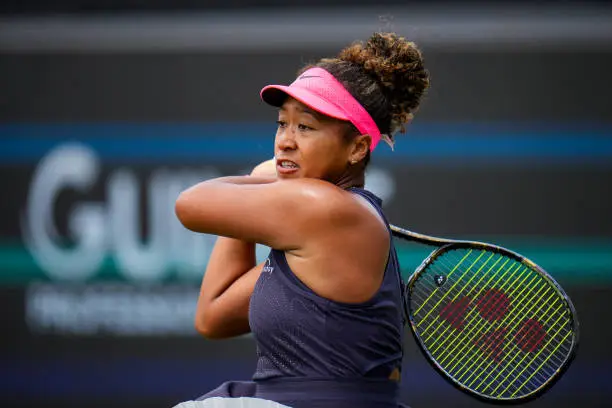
point(225, 292)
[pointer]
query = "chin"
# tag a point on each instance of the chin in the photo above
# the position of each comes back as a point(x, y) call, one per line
point(289, 176)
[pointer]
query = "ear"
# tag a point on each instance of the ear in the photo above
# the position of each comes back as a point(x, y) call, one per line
point(360, 148)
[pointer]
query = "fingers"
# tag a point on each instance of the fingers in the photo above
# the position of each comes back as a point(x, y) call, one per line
point(265, 169)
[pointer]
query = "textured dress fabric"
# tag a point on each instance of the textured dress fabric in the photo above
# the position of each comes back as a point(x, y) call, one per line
point(317, 353)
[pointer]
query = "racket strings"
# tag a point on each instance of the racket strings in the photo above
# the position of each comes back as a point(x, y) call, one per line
point(469, 368)
point(487, 343)
point(449, 274)
point(512, 370)
point(471, 343)
point(476, 265)
point(509, 375)
point(505, 321)
point(490, 362)
point(471, 294)
point(472, 317)
point(447, 353)
point(458, 315)
point(528, 365)
point(455, 284)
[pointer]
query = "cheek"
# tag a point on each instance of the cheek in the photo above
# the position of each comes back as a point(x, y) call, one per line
point(316, 163)
point(325, 161)
point(324, 154)
point(277, 134)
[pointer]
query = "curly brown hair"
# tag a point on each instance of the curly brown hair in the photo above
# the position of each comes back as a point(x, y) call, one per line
point(386, 75)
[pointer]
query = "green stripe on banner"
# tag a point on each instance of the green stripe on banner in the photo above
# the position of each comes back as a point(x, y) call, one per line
point(569, 261)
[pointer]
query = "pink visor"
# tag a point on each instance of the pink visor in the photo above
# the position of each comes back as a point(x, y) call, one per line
point(319, 90)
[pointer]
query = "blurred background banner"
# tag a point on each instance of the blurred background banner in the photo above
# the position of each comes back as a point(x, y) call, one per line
point(109, 109)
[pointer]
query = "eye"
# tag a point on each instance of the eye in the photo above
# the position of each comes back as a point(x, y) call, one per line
point(304, 127)
point(281, 124)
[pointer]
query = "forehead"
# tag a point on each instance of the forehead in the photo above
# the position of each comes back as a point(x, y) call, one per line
point(292, 105)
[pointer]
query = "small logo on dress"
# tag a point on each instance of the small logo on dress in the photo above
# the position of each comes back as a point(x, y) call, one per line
point(268, 268)
point(440, 280)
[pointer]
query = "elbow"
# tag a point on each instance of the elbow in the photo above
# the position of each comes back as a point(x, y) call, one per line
point(206, 331)
point(183, 208)
point(208, 328)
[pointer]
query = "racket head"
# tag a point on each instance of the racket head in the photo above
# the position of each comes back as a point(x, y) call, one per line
point(493, 323)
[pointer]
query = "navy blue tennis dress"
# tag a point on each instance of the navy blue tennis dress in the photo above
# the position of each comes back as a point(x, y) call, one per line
point(317, 353)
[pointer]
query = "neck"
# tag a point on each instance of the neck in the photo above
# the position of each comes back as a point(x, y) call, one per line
point(354, 176)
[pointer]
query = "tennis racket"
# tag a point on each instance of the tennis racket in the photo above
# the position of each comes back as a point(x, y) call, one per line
point(492, 322)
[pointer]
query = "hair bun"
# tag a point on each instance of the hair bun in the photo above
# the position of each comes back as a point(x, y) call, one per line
point(397, 66)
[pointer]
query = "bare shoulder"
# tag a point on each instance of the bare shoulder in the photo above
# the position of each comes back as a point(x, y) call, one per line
point(327, 200)
point(347, 245)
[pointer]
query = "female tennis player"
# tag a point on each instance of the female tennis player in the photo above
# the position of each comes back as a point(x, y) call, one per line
point(326, 306)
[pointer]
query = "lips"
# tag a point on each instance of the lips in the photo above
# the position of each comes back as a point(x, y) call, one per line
point(284, 166)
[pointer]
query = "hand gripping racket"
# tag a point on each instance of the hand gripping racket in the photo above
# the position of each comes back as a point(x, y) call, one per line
point(492, 322)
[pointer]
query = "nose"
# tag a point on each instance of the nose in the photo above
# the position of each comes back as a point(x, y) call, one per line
point(285, 139)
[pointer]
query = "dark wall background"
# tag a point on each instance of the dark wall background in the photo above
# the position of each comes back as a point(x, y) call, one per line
point(467, 85)
point(88, 6)
point(116, 337)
